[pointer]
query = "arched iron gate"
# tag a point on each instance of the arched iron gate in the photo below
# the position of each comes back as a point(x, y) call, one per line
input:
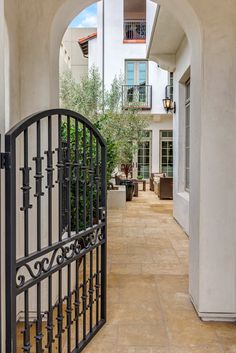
point(55, 165)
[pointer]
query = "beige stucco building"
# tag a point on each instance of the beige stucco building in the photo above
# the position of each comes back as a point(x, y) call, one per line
point(71, 55)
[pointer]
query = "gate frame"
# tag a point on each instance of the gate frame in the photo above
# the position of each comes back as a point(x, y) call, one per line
point(8, 162)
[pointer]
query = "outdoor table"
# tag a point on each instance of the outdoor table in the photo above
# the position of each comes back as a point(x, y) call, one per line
point(143, 181)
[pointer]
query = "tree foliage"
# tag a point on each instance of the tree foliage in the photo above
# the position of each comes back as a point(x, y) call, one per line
point(122, 129)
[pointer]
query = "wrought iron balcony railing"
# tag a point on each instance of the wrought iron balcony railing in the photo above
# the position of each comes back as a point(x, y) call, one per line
point(134, 30)
point(137, 96)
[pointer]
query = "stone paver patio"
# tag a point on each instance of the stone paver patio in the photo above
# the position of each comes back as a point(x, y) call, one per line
point(149, 310)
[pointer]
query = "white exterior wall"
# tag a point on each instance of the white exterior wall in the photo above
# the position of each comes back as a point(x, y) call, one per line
point(64, 61)
point(151, 9)
point(115, 54)
point(93, 59)
point(158, 79)
point(71, 55)
point(181, 197)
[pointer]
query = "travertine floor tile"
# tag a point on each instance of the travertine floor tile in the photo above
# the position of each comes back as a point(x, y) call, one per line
point(139, 294)
point(149, 309)
point(135, 313)
point(142, 334)
point(213, 348)
point(187, 332)
point(126, 268)
point(96, 347)
point(130, 259)
point(144, 349)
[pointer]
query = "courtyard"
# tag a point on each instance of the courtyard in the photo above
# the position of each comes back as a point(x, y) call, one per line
point(149, 309)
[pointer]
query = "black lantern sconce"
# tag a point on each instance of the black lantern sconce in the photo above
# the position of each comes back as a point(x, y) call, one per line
point(168, 103)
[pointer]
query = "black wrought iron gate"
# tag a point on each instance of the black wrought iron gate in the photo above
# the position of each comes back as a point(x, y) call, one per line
point(55, 165)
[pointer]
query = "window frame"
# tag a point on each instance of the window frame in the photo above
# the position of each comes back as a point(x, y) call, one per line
point(166, 139)
point(187, 134)
point(136, 71)
point(143, 140)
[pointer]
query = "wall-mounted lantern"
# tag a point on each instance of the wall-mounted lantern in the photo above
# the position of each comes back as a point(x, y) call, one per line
point(169, 105)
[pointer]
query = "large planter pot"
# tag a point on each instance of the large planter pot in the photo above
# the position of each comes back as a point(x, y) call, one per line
point(129, 184)
point(116, 198)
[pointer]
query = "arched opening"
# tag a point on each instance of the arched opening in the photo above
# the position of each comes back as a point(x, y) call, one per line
point(200, 149)
point(185, 15)
point(189, 21)
point(212, 224)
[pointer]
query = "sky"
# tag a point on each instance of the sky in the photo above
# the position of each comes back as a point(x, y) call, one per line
point(87, 18)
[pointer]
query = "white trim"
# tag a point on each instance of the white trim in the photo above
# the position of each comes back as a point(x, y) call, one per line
point(222, 317)
point(153, 31)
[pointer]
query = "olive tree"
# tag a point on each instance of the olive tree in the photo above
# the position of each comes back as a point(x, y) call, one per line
point(121, 128)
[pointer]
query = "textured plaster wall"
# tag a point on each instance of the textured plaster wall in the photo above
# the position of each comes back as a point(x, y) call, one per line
point(181, 197)
point(74, 58)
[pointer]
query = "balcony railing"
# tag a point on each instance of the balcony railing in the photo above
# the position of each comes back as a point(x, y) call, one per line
point(137, 96)
point(134, 30)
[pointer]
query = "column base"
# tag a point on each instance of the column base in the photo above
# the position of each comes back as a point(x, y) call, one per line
point(220, 317)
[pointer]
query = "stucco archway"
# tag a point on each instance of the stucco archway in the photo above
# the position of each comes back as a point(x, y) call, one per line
point(69, 9)
point(185, 15)
point(39, 27)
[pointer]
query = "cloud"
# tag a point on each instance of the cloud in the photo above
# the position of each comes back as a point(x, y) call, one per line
point(88, 21)
point(87, 18)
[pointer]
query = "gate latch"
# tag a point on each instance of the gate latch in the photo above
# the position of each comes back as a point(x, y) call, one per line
point(4, 160)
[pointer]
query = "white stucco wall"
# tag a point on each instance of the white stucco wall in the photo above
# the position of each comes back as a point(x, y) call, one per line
point(71, 55)
point(115, 54)
point(116, 51)
point(93, 59)
point(151, 9)
point(181, 197)
point(64, 60)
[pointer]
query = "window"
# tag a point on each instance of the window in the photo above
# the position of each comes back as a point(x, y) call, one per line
point(136, 73)
point(166, 152)
point(136, 90)
point(135, 21)
point(135, 30)
point(187, 135)
point(145, 155)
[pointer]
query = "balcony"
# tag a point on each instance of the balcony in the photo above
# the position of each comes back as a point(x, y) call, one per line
point(137, 96)
point(135, 31)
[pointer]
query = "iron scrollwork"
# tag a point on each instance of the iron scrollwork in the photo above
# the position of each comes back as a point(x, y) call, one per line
point(61, 255)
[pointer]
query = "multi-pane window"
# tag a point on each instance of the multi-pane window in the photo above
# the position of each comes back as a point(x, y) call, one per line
point(136, 80)
point(145, 155)
point(187, 136)
point(136, 72)
point(166, 152)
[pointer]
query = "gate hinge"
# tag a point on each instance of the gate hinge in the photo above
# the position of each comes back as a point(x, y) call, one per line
point(4, 160)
